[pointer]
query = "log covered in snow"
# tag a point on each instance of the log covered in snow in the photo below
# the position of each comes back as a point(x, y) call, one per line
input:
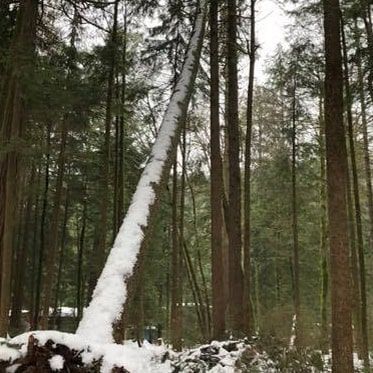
point(110, 293)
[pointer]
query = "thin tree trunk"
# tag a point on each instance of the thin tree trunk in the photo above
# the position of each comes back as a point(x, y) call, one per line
point(336, 156)
point(176, 296)
point(294, 213)
point(217, 265)
point(356, 193)
point(79, 293)
point(50, 257)
point(35, 321)
point(61, 262)
point(247, 192)
point(364, 122)
point(236, 279)
point(323, 235)
point(102, 223)
point(34, 246)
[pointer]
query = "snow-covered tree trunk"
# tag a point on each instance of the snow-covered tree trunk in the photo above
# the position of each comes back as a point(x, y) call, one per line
point(110, 293)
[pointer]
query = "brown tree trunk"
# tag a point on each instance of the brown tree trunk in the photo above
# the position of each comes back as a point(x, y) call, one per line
point(102, 223)
point(247, 192)
point(356, 193)
point(35, 320)
point(216, 185)
point(50, 257)
point(323, 235)
point(79, 292)
point(12, 128)
point(18, 293)
point(294, 214)
point(236, 280)
point(364, 122)
point(336, 156)
point(57, 303)
point(176, 296)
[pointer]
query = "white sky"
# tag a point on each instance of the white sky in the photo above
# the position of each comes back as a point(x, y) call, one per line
point(270, 31)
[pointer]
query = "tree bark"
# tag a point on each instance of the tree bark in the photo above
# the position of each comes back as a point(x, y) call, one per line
point(43, 219)
point(294, 214)
point(131, 240)
point(50, 257)
point(356, 193)
point(247, 192)
point(12, 129)
point(102, 223)
point(336, 156)
point(176, 295)
point(323, 235)
point(216, 185)
point(236, 279)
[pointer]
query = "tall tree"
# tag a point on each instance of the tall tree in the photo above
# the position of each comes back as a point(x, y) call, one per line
point(357, 204)
point(247, 191)
point(236, 280)
point(102, 223)
point(12, 132)
point(336, 156)
point(217, 269)
point(140, 215)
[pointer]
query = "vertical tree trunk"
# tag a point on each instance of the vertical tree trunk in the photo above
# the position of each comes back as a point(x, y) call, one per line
point(368, 173)
point(336, 156)
point(121, 123)
point(323, 234)
point(43, 219)
point(12, 123)
point(216, 185)
point(57, 297)
point(18, 295)
point(102, 224)
point(356, 193)
point(79, 293)
point(247, 192)
point(236, 280)
point(294, 213)
point(176, 296)
point(50, 257)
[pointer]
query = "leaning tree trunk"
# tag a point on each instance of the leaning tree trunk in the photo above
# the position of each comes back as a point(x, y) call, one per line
point(336, 156)
point(12, 129)
point(111, 289)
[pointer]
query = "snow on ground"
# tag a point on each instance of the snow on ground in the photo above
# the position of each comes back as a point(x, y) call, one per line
point(146, 359)
point(216, 357)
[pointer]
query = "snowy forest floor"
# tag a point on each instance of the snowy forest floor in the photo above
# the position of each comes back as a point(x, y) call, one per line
point(48, 351)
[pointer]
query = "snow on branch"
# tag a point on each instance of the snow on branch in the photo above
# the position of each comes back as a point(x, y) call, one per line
point(110, 293)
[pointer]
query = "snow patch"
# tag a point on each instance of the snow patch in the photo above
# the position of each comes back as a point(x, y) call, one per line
point(56, 362)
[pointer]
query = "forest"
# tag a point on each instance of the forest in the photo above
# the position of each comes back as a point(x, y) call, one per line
point(168, 206)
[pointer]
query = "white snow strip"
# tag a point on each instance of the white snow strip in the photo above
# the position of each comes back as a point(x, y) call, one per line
point(111, 292)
